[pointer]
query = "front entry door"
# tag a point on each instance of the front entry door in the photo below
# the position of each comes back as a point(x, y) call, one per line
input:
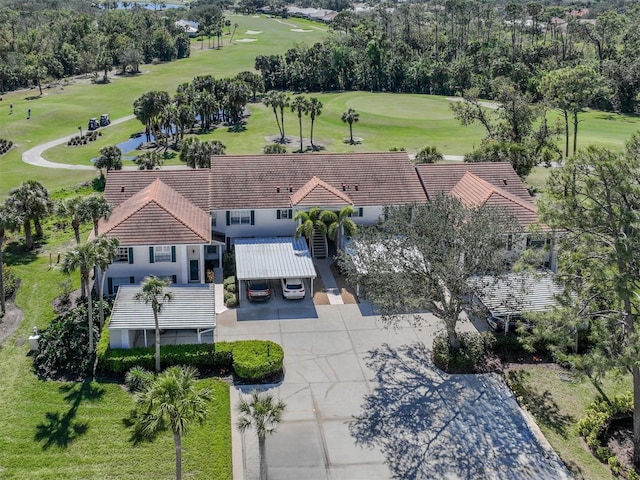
point(194, 271)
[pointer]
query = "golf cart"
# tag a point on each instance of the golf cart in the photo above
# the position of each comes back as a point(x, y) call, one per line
point(93, 124)
point(104, 120)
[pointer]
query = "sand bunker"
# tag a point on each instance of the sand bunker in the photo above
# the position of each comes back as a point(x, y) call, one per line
point(247, 40)
point(301, 30)
point(253, 32)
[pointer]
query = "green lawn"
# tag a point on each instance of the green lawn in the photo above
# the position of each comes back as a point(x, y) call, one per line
point(558, 401)
point(54, 430)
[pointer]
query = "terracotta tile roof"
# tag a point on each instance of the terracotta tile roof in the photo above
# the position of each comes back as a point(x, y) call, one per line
point(157, 215)
point(247, 181)
point(317, 192)
point(442, 178)
point(474, 191)
point(194, 185)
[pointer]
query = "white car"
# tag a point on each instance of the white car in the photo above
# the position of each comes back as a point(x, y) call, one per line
point(292, 288)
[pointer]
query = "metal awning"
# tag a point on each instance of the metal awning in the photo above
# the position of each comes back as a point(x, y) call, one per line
point(515, 294)
point(191, 307)
point(272, 258)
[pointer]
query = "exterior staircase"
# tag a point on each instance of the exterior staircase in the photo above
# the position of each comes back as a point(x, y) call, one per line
point(319, 246)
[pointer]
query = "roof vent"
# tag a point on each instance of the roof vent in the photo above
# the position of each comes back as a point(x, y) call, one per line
point(356, 186)
point(290, 188)
point(344, 187)
point(504, 181)
point(121, 188)
point(278, 189)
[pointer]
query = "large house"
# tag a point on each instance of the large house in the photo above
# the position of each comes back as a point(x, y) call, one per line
point(178, 223)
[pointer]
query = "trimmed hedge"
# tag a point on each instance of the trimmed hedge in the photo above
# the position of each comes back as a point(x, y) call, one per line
point(252, 360)
point(257, 359)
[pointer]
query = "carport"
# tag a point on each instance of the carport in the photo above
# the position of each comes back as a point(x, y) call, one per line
point(272, 258)
point(517, 294)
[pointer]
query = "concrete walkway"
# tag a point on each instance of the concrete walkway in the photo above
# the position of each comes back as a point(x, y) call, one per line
point(365, 403)
point(328, 280)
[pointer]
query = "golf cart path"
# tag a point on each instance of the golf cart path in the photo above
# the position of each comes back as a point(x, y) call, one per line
point(33, 156)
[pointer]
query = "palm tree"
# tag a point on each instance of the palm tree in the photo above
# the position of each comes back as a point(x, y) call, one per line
point(278, 101)
point(73, 208)
point(106, 249)
point(149, 161)
point(174, 401)
point(339, 224)
point(300, 105)
point(10, 221)
point(308, 222)
point(110, 158)
point(262, 413)
point(152, 291)
point(83, 258)
point(350, 117)
point(98, 208)
point(314, 110)
point(31, 202)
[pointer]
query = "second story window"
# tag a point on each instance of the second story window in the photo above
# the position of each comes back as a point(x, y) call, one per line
point(162, 254)
point(240, 217)
point(122, 255)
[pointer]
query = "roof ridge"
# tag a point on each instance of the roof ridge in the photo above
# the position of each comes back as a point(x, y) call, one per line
point(160, 201)
point(494, 189)
point(304, 191)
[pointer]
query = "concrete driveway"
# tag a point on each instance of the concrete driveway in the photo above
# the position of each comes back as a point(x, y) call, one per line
point(364, 402)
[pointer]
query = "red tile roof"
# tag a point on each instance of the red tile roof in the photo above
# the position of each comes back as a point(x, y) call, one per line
point(317, 192)
point(474, 191)
point(442, 178)
point(157, 215)
point(194, 185)
point(370, 179)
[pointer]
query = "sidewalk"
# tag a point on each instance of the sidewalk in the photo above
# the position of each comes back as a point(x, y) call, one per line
point(330, 285)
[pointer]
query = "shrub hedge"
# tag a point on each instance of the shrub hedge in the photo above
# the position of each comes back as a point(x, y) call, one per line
point(256, 360)
point(252, 360)
point(595, 423)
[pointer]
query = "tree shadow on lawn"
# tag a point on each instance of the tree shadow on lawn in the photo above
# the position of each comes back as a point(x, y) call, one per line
point(428, 424)
point(540, 405)
point(61, 429)
point(15, 253)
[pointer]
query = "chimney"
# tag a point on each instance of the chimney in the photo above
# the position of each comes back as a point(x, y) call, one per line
point(278, 189)
point(356, 186)
point(504, 181)
point(121, 188)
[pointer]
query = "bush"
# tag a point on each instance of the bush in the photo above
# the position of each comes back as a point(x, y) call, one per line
point(138, 379)
point(232, 301)
point(274, 148)
point(203, 356)
point(252, 360)
point(229, 284)
point(256, 360)
point(103, 344)
point(10, 281)
point(471, 357)
point(63, 347)
point(597, 419)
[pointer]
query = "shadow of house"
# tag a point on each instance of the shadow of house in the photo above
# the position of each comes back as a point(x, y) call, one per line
point(429, 424)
